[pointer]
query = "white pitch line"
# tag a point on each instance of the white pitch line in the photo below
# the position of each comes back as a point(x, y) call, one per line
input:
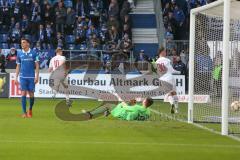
point(195, 124)
point(124, 143)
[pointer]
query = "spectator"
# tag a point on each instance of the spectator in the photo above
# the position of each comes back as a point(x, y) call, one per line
point(26, 6)
point(141, 60)
point(180, 66)
point(60, 17)
point(125, 45)
point(88, 22)
point(4, 13)
point(25, 25)
point(12, 23)
point(43, 4)
point(113, 34)
point(49, 35)
point(35, 12)
point(2, 62)
point(169, 37)
point(113, 9)
point(103, 18)
point(112, 22)
point(103, 34)
point(173, 4)
point(180, 18)
point(93, 49)
point(92, 30)
point(172, 23)
point(15, 34)
point(125, 9)
point(184, 56)
point(80, 8)
point(142, 57)
point(48, 14)
point(127, 20)
point(95, 38)
point(59, 42)
point(174, 56)
point(70, 21)
point(132, 3)
point(217, 74)
point(35, 16)
point(93, 8)
point(80, 20)
point(80, 34)
point(166, 9)
point(42, 36)
point(11, 58)
point(37, 46)
point(127, 30)
point(17, 10)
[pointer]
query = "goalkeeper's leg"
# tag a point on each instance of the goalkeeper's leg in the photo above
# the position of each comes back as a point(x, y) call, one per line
point(102, 109)
point(176, 106)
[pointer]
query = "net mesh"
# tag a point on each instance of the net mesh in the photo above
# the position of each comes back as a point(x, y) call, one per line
point(208, 71)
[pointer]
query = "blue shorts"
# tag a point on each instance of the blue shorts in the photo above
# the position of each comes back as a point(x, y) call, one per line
point(27, 84)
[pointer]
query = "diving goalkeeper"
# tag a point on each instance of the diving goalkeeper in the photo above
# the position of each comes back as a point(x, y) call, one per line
point(124, 111)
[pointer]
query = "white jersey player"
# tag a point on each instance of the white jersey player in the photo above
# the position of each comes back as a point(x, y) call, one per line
point(55, 63)
point(166, 71)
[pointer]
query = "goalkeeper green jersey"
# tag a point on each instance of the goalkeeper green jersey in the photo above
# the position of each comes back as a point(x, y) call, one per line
point(116, 112)
point(126, 112)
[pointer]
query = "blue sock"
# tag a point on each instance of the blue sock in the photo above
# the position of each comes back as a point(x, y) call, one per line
point(24, 104)
point(31, 103)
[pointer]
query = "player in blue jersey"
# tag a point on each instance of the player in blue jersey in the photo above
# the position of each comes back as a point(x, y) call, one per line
point(28, 71)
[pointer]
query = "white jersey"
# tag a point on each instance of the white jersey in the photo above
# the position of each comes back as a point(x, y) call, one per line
point(56, 62)
point(173, 100)
point(165, 69)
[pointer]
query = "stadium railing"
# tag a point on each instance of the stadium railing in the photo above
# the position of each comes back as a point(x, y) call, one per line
point(179, 45)
point(99, 60)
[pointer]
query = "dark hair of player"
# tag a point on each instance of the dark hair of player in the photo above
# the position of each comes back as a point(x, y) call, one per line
point(25, 39)
point(149, 101)
point(161, 49)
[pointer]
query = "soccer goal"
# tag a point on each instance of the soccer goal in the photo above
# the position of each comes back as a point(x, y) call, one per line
point(214, 66)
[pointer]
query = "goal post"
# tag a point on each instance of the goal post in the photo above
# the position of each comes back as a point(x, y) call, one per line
point(214, 47)
point(225, 69)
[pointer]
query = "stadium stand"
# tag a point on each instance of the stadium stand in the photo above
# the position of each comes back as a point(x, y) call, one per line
point(42, 19)
point(96, 25)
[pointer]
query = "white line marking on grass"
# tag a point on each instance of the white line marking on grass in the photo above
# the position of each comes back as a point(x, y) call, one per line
point(123, 143)
point(194, 124)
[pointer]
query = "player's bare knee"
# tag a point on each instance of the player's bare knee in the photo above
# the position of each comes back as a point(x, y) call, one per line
point(24, 93)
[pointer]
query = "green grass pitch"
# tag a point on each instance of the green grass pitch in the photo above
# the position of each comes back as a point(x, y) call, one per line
point(45, 137)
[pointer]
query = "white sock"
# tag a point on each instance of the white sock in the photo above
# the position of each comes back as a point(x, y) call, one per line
point(176, 107)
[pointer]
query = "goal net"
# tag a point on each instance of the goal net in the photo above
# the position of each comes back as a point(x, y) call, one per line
point(207, 47)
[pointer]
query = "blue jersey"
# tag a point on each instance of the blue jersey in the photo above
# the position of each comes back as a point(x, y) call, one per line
point(27, 63)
